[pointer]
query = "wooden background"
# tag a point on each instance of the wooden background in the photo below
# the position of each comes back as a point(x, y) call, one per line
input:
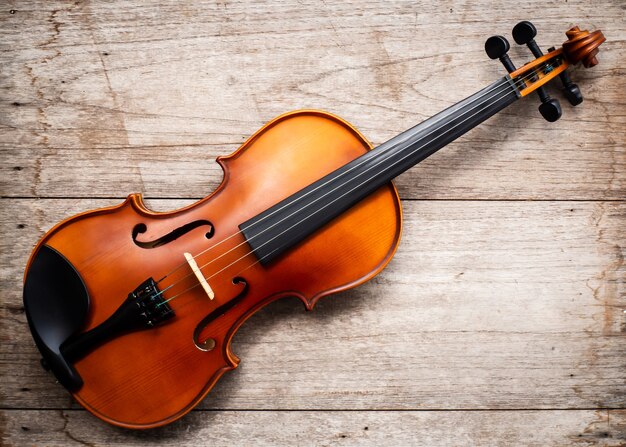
point(501, 320)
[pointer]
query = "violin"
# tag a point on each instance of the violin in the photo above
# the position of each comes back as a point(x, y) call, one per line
point(122, 301)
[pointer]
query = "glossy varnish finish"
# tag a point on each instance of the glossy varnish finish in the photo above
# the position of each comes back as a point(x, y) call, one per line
point(153, 377)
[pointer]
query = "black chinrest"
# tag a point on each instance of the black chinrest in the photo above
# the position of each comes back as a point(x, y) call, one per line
point(56, 304)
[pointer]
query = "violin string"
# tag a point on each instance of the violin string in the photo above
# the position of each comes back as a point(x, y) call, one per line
point(503, 83)
point(516, 83)
point(330, 203)
point(476, 103)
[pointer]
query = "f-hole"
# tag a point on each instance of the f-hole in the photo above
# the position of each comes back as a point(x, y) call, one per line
point(172, 235)
point(208, 343)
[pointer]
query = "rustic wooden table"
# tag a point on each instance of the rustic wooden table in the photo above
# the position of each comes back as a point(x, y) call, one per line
point(499, 322)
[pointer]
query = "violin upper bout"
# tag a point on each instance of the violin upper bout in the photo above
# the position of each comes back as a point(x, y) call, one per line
point(285, 156)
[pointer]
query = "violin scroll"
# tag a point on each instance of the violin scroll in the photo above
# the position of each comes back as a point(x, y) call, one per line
point(582, 46)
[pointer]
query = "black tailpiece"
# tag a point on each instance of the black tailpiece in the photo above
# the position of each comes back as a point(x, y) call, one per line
point(144, 308)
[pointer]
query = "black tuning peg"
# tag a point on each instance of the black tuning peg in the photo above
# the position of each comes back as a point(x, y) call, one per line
point(570, 90)
point(550, 108)
point(496, 47)
point(524, 34)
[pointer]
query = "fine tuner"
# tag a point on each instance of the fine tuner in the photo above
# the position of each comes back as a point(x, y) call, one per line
point(581, 46)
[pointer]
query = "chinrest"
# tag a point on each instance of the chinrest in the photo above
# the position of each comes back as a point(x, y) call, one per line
point(56, 304)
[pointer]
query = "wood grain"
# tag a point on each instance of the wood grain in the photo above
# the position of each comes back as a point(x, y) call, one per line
point(304, 428)
point(506, 298)
point(152, 95)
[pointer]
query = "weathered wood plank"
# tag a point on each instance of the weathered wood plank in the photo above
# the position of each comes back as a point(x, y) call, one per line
point(346, 428)
point(488, 305)
point(492, 305)
point(102, 99)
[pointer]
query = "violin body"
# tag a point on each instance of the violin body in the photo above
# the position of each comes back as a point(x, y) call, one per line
point(147, 378)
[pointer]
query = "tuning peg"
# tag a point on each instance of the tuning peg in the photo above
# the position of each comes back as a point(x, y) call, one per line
point(524, 34)
point(570, 90)
point(550, 109)
point(496, 47)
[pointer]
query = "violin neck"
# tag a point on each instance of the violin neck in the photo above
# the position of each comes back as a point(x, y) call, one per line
point(298, 216)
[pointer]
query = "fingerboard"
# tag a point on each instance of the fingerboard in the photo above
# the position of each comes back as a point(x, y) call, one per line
point(280, 227)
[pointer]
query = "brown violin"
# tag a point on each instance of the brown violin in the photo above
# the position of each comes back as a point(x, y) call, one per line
point(122, 302)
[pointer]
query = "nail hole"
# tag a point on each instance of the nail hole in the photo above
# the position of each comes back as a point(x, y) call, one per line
point(17, 168)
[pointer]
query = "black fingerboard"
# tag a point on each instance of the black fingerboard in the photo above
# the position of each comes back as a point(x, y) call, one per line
point(280, 227)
